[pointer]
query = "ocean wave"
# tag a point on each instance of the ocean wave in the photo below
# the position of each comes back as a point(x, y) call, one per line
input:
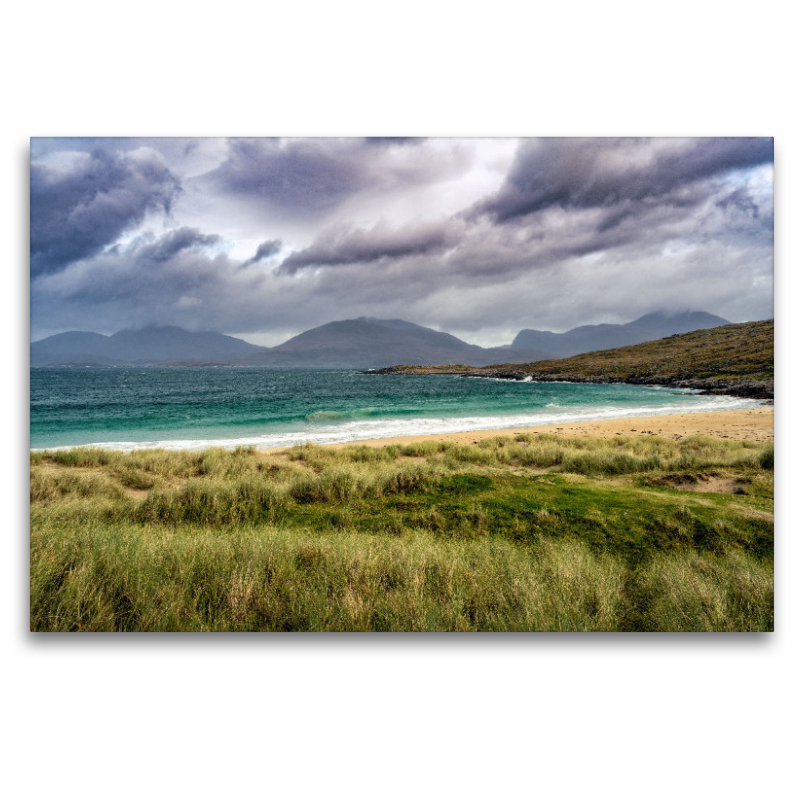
point(354, 430)
point(326, 416)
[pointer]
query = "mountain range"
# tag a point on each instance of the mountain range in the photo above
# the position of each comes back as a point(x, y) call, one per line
point(587, 338)
point(363, 342)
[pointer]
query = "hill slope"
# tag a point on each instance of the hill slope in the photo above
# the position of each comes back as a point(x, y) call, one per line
point(731, 359)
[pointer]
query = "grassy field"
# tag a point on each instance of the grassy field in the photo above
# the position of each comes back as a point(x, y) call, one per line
point(513, 534)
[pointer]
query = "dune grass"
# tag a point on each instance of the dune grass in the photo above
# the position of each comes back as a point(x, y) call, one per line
point(530, 533)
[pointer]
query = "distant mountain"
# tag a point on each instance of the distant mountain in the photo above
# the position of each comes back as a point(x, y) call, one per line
point(588, 338)
point(149, 346)
point(362, 343)
point(73, 347)
point(370, 342)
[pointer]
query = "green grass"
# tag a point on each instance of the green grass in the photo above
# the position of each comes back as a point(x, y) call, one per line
point(527, 533)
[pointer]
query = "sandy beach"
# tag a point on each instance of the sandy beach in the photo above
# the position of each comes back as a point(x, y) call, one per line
point(756, 424)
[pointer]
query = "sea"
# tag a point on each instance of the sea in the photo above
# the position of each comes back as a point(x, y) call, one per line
point(128, 408)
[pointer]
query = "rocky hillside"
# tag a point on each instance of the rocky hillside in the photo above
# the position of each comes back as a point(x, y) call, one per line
point(732, 359)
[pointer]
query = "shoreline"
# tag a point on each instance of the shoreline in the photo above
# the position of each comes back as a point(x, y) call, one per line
point(754, 389)
point(755, 424)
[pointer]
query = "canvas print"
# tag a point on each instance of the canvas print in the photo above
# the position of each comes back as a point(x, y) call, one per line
point(401, 384)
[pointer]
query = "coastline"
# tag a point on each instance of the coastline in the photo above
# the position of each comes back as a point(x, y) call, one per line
point(755, 424)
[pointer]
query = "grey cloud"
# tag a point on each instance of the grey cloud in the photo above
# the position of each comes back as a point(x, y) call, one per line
point(479, 288)
point(339, 247)
point(299, 176)
point(740, 200)
point(637, 225)
point(173, 242)
point(586, 173)
point(171, 147)
point(76, 213)
point(172, 280)
point(308, 178)
point(554, 248)
point(390, 141)
point(265, 250)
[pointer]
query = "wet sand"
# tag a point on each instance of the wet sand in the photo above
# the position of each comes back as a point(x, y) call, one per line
point(756, 424)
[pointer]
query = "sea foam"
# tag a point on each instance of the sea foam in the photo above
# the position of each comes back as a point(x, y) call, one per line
point(385, 428)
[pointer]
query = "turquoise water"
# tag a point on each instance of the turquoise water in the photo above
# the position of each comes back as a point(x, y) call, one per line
point(195, 407)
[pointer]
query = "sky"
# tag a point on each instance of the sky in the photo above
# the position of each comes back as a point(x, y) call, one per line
point(265, 238)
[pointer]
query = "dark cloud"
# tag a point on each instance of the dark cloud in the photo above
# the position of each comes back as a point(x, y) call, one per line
point(306, 175)
point(740, 200)
point(265, 251)
point(171, 147)
point(309, 178)
point(390, 141)
point(598, 173)
point(174, 279)
point(173, 242)
point(77, 212)
point(348, 246)
point(578, 232)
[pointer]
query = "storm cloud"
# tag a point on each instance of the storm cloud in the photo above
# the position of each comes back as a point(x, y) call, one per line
point(338, 247)
point(173, 242)
point(265, 238)
point(602, 173)
point(312, 177)
point(178, 278)
point(265, 251)
point(75, 213)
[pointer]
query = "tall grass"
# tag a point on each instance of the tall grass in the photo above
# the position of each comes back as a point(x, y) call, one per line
point(530, 533)
point(193, 578)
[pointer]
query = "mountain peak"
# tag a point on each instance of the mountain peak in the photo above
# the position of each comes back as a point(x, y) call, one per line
point(587, 338)
point(394, 324)
point(361, 342)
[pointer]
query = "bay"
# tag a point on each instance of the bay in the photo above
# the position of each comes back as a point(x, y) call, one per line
point(196, 407)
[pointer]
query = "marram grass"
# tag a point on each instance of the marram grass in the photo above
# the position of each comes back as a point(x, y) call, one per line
point(532, 533)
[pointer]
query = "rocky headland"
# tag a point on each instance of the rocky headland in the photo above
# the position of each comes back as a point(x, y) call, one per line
point(733, 359)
